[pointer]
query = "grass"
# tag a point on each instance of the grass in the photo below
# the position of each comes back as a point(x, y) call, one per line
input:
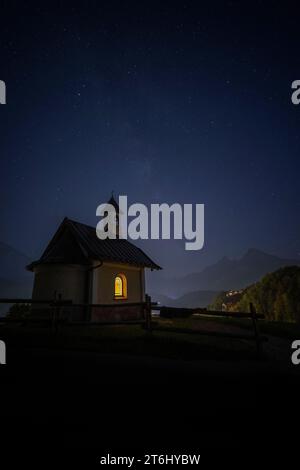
point(133, 340)
point(281, 329)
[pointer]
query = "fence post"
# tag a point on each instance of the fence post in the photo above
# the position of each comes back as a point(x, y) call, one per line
point(255, 328)
point(148, 313)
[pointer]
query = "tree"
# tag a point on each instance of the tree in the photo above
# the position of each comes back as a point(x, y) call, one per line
point(277, 295)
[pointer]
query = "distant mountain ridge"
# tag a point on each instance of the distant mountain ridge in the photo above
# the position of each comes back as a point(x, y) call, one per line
point(236, 274)
point(190, 300)
point(15, 281)
point(12, 263)
point(226, 274)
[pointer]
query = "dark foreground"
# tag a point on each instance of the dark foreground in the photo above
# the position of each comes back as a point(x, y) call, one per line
point(73, 407)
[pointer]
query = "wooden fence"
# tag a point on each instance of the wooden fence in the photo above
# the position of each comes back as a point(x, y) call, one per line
point(146, 322)
point(56, 307)
point(170, 312)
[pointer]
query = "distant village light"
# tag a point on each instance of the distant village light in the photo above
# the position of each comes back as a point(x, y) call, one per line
point(188, 222)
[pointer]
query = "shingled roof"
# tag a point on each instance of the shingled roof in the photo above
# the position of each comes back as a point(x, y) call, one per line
point(75, 242)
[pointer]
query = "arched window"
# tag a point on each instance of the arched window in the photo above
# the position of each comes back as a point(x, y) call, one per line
point(120, 287)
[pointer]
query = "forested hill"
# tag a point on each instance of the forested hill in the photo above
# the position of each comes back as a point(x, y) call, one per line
point(276, 295)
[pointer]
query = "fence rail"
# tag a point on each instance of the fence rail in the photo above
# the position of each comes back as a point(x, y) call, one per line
point(210, 313)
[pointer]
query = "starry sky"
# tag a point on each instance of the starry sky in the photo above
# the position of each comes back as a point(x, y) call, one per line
point(185, 102)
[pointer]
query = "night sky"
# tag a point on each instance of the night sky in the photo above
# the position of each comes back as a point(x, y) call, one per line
point(185, 102)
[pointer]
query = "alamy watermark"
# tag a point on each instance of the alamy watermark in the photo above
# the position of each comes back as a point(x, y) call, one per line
point(2, 352)
point(2, 92)
point(296, 94)
point(188, 222)
point(296, 354)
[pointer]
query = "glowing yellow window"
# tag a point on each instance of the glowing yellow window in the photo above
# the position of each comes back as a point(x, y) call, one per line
point(120, 287)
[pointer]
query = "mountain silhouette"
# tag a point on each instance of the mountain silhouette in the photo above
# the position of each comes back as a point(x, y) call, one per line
point(226, 274)
point(12, 263)
point(15, 281)
point(200, 298)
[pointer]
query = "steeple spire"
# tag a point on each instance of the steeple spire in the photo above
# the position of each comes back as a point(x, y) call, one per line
point(114, 203)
